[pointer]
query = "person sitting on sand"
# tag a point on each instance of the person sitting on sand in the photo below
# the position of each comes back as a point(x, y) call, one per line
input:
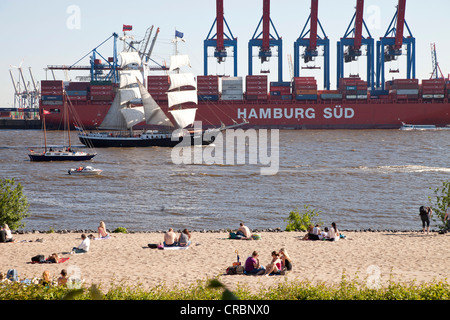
point(252, 265)
point(170, 238)
point(333, 234)
point(244, 232)
point(102, 233)
point(62, 280)
point(84, 245)
point(323, 234)
point(8, 235)
point(286, 262)
point(184, 239)
point(46, 280)
point(274, 267)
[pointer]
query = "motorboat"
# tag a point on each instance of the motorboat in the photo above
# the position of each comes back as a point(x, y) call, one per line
point(85, 171)
point(418, 127)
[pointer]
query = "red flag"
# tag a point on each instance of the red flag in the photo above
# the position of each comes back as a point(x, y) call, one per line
point(127, 27)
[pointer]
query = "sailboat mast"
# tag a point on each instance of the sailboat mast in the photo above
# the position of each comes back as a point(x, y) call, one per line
point(45, 132)
point(66, 114)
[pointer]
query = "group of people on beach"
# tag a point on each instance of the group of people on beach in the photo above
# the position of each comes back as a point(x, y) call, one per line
point(281, 263)
point(46, 279)
point(331, 234)
point(172, 239)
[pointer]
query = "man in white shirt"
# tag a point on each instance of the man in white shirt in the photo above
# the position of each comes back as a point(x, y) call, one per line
point(84, 246)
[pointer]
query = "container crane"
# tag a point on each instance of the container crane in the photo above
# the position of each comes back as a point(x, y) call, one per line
point(436, 68)
point(389, 47)
point(221, 40)
point(311, 44)
point(353, 40)
point(266, 42)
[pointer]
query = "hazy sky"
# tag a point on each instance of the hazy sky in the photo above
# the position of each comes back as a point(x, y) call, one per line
point(60, 32)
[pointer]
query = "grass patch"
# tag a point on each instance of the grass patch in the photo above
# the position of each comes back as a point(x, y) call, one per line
point(214, 290)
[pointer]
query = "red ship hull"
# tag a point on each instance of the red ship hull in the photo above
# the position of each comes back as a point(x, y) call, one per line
point(381, 114)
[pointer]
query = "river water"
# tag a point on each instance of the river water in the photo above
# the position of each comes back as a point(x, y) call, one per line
point(359, 179)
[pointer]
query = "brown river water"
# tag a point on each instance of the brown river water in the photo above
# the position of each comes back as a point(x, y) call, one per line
point(359, 179)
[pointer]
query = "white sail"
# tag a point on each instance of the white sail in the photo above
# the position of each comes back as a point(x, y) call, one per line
point(154, 115)
point(129, 58)
point(129, 94)
point(184, 117)
point(133, 116)
point(130, 77)
point(180, 97)
point(179, 61)
point(182, 79)
point(113, 119)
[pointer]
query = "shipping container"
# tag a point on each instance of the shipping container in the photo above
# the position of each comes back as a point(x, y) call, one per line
point(306, 97)
point(210, 97)
point(52, 98)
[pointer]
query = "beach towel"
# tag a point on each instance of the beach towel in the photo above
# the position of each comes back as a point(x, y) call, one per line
point(61, 260)
point(175, 248)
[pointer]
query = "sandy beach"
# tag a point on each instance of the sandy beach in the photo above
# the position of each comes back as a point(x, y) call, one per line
point(126, 258)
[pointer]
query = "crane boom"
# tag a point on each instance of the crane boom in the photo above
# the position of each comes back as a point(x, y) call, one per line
point(314, 22)
point(359, 24)
point(266, 26)
point(219, 24)
point(401, 12)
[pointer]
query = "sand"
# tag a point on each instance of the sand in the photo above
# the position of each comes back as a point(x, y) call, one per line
point(126, 259)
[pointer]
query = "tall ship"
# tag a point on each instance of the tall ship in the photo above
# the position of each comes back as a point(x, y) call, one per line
point(221, 100)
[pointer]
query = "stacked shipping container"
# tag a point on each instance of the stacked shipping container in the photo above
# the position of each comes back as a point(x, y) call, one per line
point(353, 88)
point(304, 88)
point(78, 91)
point(158, 86)
point(232, 88)
point(403, 89)
point(433, 89)
point(52, 92)
point(280, 91)
point(256, 87)
point(101, 91)
point(208, 88)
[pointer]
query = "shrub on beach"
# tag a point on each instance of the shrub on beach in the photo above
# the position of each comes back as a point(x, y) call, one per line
point(440, 202)
point(13, 204)
point(300, 221)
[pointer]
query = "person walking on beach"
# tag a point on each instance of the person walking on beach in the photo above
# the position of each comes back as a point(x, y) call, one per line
point(425, 215)
point(170, 238)
point(84, 245)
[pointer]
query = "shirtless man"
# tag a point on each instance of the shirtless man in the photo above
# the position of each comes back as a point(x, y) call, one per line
point(244, 232)
point(170, 238)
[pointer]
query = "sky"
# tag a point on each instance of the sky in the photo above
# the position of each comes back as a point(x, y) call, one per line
point(60, 32)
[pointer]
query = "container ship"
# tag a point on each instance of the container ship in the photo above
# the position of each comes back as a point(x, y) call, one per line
point(296, 105)
point(265, 104)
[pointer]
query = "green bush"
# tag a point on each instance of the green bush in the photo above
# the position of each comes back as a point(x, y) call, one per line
point(440, 202)
point(300, 221)
point(120, 230)
point(13, 204)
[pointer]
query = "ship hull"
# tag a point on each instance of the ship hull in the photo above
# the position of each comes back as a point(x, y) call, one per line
point(293, 115)
point(105, 140)
point(43, 157)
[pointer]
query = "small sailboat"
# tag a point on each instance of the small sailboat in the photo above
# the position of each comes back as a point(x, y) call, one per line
point(66, 153)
